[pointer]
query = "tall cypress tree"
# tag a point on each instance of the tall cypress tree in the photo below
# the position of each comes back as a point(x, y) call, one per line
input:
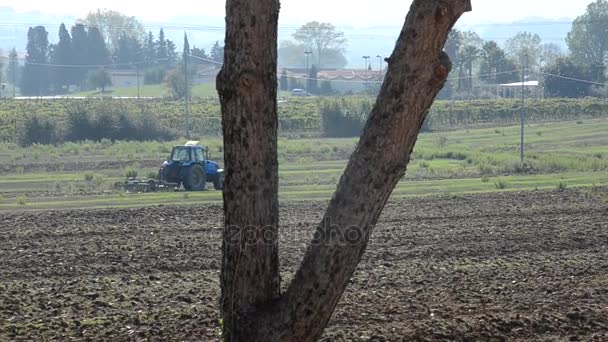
point(80, 49)
point(98, 53)
point(161, 49)
point(128, 52)
point(62, 54)
point(150, 50)
point(35, 73)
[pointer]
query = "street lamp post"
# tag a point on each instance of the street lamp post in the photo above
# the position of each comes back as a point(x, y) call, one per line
point(308, 53)
point(366, 58)
point(381, 60)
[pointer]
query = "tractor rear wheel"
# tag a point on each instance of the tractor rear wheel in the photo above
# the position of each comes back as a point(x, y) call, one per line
point(218, 181)
point(195, 178)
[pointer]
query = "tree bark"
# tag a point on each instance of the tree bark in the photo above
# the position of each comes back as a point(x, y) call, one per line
point(417, 71)
point(247, 86)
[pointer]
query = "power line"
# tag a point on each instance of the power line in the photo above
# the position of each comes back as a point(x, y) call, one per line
point(206, 59)
point(87, 66)
point(572, 78)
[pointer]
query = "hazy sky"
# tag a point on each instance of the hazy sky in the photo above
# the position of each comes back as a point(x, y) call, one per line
point(339, 12)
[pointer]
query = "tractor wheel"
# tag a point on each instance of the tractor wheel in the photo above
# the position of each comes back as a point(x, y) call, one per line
point(195, 178)
point(218, 181)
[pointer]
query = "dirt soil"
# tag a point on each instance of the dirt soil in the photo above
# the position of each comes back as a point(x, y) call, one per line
point(508, 266)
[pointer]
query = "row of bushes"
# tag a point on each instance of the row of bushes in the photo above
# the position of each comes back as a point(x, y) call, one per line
point(106, 120)
point(51, 121)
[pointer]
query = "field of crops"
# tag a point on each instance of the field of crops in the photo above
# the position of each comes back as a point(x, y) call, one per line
point(71, 175)
point(299, 116)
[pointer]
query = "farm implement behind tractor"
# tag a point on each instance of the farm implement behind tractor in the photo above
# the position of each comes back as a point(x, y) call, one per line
point(188, 166)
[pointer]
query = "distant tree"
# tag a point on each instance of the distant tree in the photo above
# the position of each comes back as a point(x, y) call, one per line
point(112, 25)
point(175, 82)
point(62, 54)
point(470, 52)
point(100, 79)
point(452, 45)
point(561, 87)
point(35, 72)
point(161, 49)
point(292, 54)
point(198, 53)
point(38, 131)
point(321, 38)
point(452, 48)
point(171, 53)
point(186, 51)
point(588, 39)
point(150, 50)
point(549, 53)
point(98, 53)
point(13, 70)
point(495, 63)
point(284, 82)
point(80, 50)
point(312, 80)
point(524, 48)
point(129, 51)
point(217, 52)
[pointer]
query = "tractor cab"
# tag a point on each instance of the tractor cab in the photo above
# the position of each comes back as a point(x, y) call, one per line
point(189, 166)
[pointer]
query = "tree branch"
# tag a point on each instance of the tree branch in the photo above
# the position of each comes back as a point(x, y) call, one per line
point(417, 71)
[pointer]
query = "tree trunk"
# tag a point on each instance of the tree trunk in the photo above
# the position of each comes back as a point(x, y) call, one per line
point(247, 86)
point(252, 307)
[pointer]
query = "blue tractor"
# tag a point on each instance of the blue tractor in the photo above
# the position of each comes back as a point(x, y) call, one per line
point(189, 166)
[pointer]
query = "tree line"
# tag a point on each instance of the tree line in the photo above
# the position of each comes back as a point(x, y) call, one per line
point(486, 62)
point(82, 55)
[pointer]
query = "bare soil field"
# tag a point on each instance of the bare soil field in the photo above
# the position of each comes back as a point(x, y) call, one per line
point(503, 266)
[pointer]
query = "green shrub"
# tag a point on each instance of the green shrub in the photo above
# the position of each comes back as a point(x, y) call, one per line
point(561, 186)
point(131, 173)
point(89, 176)
point(501, 184)
point(22, 200)
point(442, 141)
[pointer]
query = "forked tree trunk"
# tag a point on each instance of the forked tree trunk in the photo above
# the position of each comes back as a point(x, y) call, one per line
point(252, 307)
point(247, 85)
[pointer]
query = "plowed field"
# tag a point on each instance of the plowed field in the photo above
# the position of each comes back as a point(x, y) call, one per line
point(504, 266)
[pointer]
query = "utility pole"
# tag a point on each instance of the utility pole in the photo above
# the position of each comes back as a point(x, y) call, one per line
point(137, 71)
point(187, 121)
point(15, 66)
point(381, 60)
point(308, 53)
point(366, 58)
point(523, 106)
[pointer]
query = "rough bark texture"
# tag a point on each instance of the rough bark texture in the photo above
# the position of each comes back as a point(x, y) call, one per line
point(247, 87)
point(417, 71)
